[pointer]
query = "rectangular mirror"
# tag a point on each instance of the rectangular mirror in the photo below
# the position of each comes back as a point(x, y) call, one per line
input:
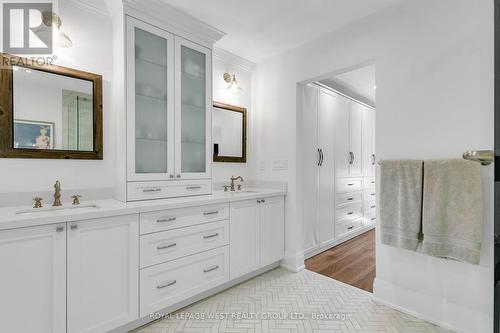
point(229, 133)
point(49, 111)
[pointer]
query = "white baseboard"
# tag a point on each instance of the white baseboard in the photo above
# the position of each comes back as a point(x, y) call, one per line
point(312, 252)
point(293, 261)
point(435, 310)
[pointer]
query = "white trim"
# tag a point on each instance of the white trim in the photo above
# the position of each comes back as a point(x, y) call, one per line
point(403, 300)
point(233, 59)
point(87, 5)
point(166, 17)
point(293, 261)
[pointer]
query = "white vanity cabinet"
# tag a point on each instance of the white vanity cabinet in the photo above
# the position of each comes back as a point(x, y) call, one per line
point(257, 231)
point(168, 114)
point(70, 277)
point(33, 279)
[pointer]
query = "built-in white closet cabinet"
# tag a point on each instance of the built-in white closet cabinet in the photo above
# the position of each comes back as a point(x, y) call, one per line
point(339, 183)
point(168, 114)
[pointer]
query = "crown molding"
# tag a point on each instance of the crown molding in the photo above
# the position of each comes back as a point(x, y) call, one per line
point(92, 7)
point(233, 59)
point(164, 16)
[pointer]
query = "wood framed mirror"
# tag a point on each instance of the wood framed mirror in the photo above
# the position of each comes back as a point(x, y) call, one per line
point(49, 111)
point(229, 133)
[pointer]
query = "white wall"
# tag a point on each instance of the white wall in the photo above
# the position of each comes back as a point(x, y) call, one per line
point(226, 62)
point(434, 71)
point(91, 52)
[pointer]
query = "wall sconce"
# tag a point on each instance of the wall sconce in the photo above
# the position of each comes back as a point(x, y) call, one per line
point(51, 19)
point(233, 85)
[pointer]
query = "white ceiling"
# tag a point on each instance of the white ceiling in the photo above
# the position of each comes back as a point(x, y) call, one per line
point(358, 83)
point(259, 29)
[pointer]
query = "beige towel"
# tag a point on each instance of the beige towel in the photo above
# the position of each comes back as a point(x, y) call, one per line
point(401, 203)
point(453, 209)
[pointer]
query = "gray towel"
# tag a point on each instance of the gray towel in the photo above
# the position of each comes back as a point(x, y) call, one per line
point(453, 209)
point(401, 203)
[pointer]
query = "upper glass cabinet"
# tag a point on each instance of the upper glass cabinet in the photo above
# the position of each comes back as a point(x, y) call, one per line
point(168, 105)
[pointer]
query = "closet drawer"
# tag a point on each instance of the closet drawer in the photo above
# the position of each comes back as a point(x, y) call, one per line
point(348, 212)
point(347, 198)
point(345, 227)
point(369, 182)
point(369, 194)
point(182, 217)
point(348, 185)
point(166, 284)
point(167, 189)
point(165, 246)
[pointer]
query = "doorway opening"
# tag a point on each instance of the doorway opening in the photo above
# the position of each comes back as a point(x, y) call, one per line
point(337, 135)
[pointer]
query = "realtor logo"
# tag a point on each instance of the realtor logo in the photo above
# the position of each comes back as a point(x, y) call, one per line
point(24, 30)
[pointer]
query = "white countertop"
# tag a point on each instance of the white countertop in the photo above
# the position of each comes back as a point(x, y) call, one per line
point(9, 218)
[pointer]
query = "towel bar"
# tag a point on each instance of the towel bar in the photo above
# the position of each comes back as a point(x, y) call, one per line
point(485, 157)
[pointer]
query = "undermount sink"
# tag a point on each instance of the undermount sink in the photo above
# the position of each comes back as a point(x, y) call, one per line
point(53, 209)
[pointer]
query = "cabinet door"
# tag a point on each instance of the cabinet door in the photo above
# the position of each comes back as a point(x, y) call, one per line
point(103, 273)
point(193, 121)
point(355, 142)
point(244, 238)
point(341, 137)
point(150, 102)
point(330, 106)
point(368, 142)
point(272, 230)
point(33, 279)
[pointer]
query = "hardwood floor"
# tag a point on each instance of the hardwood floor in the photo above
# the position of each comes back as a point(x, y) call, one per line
point(352, 262)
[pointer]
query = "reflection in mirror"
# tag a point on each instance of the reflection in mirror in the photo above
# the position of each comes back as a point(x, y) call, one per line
point(229, 133)
point(51, 111)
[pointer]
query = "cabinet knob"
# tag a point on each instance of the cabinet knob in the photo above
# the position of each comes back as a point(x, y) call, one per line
point(171, 176)
point(178, 176)
point(74, 226)
point(59, 229)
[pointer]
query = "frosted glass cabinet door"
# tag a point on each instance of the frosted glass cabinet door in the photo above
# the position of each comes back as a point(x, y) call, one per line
point(193, 104)
point(150, 94)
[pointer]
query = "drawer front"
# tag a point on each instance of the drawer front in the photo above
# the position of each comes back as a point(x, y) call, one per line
point(137, 191)
point(347, 198)
point(348, 185)
point(165, 246)
point(346, 227)
point(182, 217)
point(166, 284)
point(348, 212)
point(369, 194)
point(369, 182)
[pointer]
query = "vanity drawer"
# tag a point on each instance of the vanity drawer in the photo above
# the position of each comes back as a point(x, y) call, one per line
point(166, 284)
point(348, 212)
point(369, 194)
point(369, 182)
point(165, 246)
point(345, 227)
point(182, 217)
point(348, 185)
point(347, 198)
point(137, 191)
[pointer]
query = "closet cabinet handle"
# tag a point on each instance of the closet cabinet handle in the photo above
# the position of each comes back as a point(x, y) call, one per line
point(168, 284)
point(373, 159)
point(349, 228)
point(350, 213)
point(211, 213)
point(350, 199)
point(351, 157)
point(319, 157)
point(163, 247)
point(168, 219)
point(211, 269)
point(211, 236)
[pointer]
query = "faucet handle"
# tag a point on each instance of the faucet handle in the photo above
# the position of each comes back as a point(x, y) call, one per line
point(76, 199)
point(239, 187)
point(225, 187)
point(38, 202)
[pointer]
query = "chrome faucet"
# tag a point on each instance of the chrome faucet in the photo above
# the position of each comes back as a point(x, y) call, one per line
point(57, 194)
point(232, 182)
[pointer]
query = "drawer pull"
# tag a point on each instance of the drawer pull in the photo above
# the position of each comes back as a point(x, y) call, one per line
point(168, 284)
point(163, 247)
point(349, 228)
point(151, 190)
point(211, 213)
point(373, 182)
point(350, 184)
point(373, 218)
point(350, 213)
point(168, 219)
point(350, 199)
point(211, 236)
point(372, 206)
point(372, 194)
point(211, 269)
point(193, 187)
